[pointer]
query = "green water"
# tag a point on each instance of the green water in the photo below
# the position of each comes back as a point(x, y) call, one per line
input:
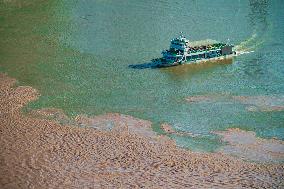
point(77, 54)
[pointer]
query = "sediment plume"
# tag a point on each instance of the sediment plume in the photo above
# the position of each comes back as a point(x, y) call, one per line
point(252, 103)
point(199, 98)
point(242, 144)
point(262, 103)
point(37, 152)
point(246, 145)
point(168, 129)
point(118, 123)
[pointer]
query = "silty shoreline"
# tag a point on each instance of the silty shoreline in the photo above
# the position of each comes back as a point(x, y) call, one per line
point(46, 149)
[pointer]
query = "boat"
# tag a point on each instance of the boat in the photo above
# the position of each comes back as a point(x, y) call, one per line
point(182, 51)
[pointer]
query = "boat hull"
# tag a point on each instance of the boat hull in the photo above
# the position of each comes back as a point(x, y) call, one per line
point(161, 64)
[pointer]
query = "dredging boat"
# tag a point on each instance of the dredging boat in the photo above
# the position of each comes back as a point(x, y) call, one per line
point(182, 51)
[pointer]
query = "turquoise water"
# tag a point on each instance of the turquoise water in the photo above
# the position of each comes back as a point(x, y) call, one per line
point(88, 69)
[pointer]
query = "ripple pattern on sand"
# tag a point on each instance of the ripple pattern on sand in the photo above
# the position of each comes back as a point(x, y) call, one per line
point(41, 153)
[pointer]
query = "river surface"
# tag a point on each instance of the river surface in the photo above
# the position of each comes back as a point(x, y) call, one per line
point(80, 56)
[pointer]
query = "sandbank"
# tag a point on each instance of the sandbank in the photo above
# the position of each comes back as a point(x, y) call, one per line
point(37, 152)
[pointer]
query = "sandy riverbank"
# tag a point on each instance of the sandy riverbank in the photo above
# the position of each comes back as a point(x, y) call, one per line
point(46, 149)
